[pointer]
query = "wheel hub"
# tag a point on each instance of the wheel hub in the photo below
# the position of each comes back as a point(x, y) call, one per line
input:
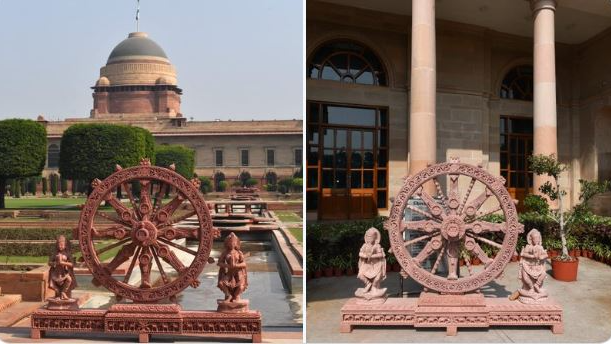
point(452, 228)
point(145, 233)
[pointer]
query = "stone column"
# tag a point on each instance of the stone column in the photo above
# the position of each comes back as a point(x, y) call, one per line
point(422, 127)
point(545, 135)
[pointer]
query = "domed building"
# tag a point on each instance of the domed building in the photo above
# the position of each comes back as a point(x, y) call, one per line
point(138, 86)
point(138, 78)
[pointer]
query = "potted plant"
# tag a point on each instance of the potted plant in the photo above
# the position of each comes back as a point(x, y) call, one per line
point(338, 265)
point(350, 263)
point(317, 267)
point(564, 267)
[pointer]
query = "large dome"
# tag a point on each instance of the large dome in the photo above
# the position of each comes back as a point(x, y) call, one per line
point(136, 45)
point(138, 60)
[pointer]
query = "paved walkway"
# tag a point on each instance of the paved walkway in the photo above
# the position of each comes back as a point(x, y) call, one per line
point(586, 304)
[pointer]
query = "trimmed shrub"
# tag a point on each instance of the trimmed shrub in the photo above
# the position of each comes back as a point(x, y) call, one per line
point(222, 186)
point(205, 185)
point(44, 186)
point(181, 156)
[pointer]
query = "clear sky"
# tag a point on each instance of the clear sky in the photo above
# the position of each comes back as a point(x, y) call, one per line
point(234, 59)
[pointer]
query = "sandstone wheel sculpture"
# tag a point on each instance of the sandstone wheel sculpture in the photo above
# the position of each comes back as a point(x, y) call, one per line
point(454, 226)
point(143, 230)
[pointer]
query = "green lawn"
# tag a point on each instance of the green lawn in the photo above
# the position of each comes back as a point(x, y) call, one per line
point(288, 216)
point(297, 233)
point(50, 202)
point(44, 259)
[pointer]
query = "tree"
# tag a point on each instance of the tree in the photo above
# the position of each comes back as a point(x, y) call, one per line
point(23, 151)
point(53, 178)
point(90, 151)
point(205, 184)
point(182, 157)
point(63, 186)
point(550, 166)
point(44, 186)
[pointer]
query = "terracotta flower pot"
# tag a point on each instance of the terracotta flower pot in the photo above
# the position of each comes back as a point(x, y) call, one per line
point(515, 258)
point(328, 272)
point(572, 253)
point(318, 274)
point(552, 253)
point(388, 267)
point(461, 262)
point(565, 270)
point(350, 271)
point(337, 272)
point(396, 267)
point(589, 254)
point(476, 261)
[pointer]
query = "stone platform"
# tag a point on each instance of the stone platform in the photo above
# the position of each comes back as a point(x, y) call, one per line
point(145, 320)
point(451, 312)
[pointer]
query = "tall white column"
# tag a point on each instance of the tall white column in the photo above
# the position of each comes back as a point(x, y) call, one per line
point(422, 130)
point(545, 129)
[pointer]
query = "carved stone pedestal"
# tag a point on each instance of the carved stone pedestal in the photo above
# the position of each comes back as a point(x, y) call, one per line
point(232, 307)
point(147, 319)
point(451, 312)
point(59, 304)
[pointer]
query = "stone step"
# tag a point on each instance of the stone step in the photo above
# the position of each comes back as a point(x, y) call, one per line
point(17, 312)
point(8, 300)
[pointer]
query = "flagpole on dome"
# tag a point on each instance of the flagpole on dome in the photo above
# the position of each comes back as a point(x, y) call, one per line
point(138, 17)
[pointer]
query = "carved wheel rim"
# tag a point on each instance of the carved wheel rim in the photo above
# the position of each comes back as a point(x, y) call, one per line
point(453, 226)
point(143, 230)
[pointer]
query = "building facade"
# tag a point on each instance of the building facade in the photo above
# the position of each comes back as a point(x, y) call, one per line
point(393, 86)
point(138, 86)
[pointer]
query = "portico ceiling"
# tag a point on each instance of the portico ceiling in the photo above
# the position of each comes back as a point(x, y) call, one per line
point(576, 20)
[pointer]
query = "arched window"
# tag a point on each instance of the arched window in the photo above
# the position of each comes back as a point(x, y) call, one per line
point(243, 177)
point(53, 156)
point(518, 84)
point(347, 61)
point(218, 178)
point(271, 178)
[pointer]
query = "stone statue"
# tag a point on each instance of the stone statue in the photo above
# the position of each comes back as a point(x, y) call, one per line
point(232, 279)
point(532, 270)
point(61, 276)
point(372, 267)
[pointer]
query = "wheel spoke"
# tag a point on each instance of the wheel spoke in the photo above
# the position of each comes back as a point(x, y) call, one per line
point(146, 261)
point(145, 207)
point(473, 207)
point(171, 233)
point(427, 226)
point(122, 256)
point(160, 194)
point(477, 249)
point(110, 247)
point(165, 212)
point(130, 194)
point(169, 257)
point(124, 213)
point(434, 207)
point(469, 189)
point(467, 259)
point(486, 241)
point(438, 260)
point(421, 212)
point(478, 227)
point(440, 193)
point(116, 232)
point(419, 239)
point(182, 248)
point(132, 264)
point(177, 219)
point(427, 250)
point(165, 278)
point(452, 259)
point(480, 215)
point(453, 195)
point(112, 219)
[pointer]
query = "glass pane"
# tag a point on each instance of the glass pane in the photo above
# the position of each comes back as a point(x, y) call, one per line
point(328, 138)
point(504, 174)
point(529, 147)
point(381, 179)
point(514, 162)
point(366, 78)
point(340, 159)
point(513, 145)
point(382, 158)
point(530, 180)
point(368, 179)
point(368, 159)
point(521, 180)
point(329, 73)
point(348, 79)
point(521, 126)
point(381, 199)
point(521, 146)
point(327, 159)
point(502, 125)
point(356, 140)
point(513, 182)
point(503, 143)
point(356, 64)
point(311, 200)
point(313, 134)
point(340, 179)
point(349, 115)
point(313, 72)
point(356, 160)
point(355, 179)
point(383, 122)
point(313, 115)
point(327, 178)
point(504, 160)
point(312, 177)
point(340, 62)
point(341, 141)
point(368, 139)
point(313, 156)
point(521, 163)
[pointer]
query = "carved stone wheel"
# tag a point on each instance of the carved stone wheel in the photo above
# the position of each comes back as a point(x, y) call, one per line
point(142, 231)
point(453, 227)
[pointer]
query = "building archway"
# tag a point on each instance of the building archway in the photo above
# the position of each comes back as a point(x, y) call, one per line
point(218, 178)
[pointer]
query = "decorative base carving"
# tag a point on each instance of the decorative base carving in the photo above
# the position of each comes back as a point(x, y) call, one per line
point(451, 312)
point(532, 297)
point(232, 307)
point(372, 294)
point(55, 303)
point(376, 301)
point(145, 320)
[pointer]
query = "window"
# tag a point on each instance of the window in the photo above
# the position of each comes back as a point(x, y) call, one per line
point(298, 157)
point(347, 62)
point(518, 84)
point(244, 157)
point(53, 156)
point(516, 145)
point(271, 155)
point(218, 157)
